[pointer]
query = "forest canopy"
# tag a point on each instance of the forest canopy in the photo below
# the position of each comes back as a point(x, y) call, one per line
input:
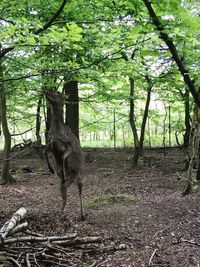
point(106, 46)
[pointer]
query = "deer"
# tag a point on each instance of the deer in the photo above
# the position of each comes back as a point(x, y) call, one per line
point(65, 148)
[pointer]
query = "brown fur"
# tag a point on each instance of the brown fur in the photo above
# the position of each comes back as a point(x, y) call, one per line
point(65, 148)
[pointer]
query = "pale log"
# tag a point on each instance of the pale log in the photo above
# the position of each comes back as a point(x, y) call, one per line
point(11, 224)
point(38, 239)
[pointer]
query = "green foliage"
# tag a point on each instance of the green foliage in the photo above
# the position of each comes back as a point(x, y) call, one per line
point(86, 43)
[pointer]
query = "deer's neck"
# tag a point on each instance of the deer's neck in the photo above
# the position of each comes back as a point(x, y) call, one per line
point(56, 117)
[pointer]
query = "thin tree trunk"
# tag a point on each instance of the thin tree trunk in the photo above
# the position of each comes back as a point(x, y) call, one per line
point(5, 175)
point(38, 119)
point(114, 128)
point(164, 132)
point(47, 116)
point(0, 118)
point(169, 127)
point(149, 131)
point(145, 116)
point(72, 106)
point(187, 118)
point(133, 126)
point(38, 126)
point(132, 114)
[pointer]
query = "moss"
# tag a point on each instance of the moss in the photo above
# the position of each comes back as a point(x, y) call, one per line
point(105, 200)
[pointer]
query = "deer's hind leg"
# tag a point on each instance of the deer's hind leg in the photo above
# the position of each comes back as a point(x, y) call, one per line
point(63, 191)
point(80, 187)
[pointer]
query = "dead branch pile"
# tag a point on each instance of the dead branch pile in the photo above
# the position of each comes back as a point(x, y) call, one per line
point(20, 247)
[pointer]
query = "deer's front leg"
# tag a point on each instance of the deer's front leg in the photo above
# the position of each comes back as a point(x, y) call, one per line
point(47, 159)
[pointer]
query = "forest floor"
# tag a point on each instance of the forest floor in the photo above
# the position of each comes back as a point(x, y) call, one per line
point(142, 210)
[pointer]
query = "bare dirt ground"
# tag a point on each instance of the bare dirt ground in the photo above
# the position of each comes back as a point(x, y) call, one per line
point(158, 228)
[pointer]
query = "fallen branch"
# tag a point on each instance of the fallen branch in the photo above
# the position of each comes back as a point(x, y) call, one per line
point(19, 228)
point(79, 241)
point(11, 224)
point(15, 262)
point(182, 240)
point(38, 239)
point(151, 258)
point(34, 249)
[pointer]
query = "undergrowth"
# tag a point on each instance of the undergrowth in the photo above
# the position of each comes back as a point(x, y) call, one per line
point(105, 200)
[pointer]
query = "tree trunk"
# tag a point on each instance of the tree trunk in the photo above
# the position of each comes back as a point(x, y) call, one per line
point(47, 116)
point(194, 89)
point(169, 126)
point(133, 126)
point(187, 118)
point(149, 131)
point(0, 117)
point(132, 114)
point(193, 151)
point(5, 175)
point(38, 119)
point(145, 116)
point(72, 106)
point(38, 126)
point(114, 128)
point(164, 132)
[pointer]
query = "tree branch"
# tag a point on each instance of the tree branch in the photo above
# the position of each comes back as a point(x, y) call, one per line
point(3, 52)
point(52, 19)
point(62, 72)
point(175, 55)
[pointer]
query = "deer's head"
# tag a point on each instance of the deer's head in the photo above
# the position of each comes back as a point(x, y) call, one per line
point(54, 97)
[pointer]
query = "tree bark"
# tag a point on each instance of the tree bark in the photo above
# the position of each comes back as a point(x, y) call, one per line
point(145, 115)
point(72, 106)
point(12, 223)
point(132, 114)
point(187, 118)
point(193, 151)
point(136, 155)
point(0, 119)
point(47, 116)
point(5, 175)
point(38, 119)
point(38, 126)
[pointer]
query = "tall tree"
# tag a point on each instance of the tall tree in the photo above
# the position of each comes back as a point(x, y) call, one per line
point(5, 175)
point(190, 83)
point(72, 106)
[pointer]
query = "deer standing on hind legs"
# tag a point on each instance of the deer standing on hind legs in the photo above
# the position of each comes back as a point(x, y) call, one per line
point(65, 148)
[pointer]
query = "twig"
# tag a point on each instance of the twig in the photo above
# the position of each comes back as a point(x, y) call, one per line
point(17, 134)
point(151, 258)
point(27, 260)
point(14, 156)
point(162, 230)
point(93, 264)
point(35, 260)
point(32, 233)
point(16, 263)
point(188, 241)
point(79, 241)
